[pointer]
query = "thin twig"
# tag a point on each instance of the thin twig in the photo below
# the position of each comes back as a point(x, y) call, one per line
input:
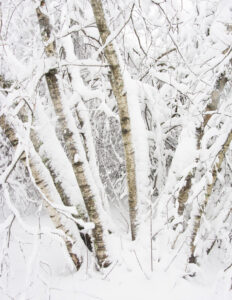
point(228, 267)
point(140, 265)
point(13, 166)
point(165, 53)
point(16, 6)
point(140, 45)
point(110, 270)
point(9, 231)
point(174, 257)
point(76, 30)
point(120, 30)
point(156, 60)
point(83, 65)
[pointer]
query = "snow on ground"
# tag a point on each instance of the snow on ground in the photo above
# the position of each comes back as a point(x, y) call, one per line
point(35, 267)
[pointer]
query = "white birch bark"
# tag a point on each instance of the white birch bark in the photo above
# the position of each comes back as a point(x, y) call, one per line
point(212, 106)
point(45, 190)
point(209, 188)
point(118, 87)
point(37, 143)
point(66, 135)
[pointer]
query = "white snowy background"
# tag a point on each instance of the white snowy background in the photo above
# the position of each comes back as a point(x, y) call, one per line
point(172, 54)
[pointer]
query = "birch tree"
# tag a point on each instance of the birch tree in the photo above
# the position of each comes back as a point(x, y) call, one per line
point(75, 155)
point(208, 192)
point(170, 59)
point(120, 94)
point(45, 190)
point(211, 106)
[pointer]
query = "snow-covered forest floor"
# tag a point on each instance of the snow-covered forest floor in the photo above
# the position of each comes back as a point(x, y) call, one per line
point(38, 269)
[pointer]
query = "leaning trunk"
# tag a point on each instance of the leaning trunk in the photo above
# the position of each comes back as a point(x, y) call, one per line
point(74, 154)
point(37, 143)
point(209, 188)
point(212, 106)
point(45, 190)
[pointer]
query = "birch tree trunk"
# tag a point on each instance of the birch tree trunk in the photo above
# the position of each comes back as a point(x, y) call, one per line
point(117, 84)
point(45, 190)
point(66, 136)
point(209, 188)
point(37, 143)
point(212, 106)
